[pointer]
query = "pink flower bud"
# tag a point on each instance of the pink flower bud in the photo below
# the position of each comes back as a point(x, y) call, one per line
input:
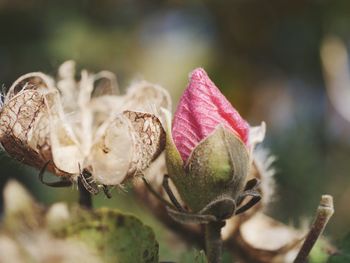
point(201, 109)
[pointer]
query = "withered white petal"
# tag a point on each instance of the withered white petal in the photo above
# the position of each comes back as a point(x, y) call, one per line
point(264, 161)
point(110, 157)
point(105, 83)
point(146, 97)
point(66, 153)
point(256, 135)
point(66, 84)
point(262, 234)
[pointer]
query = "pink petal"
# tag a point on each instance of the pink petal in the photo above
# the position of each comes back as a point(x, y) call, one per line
point(201, 109)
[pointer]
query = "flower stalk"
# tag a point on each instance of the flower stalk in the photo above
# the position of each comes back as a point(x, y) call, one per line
point(213, 241)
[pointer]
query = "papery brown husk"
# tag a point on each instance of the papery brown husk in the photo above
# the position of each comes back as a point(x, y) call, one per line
point(24, 121)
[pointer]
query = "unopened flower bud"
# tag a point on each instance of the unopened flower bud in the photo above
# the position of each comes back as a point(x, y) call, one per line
point(207, 152)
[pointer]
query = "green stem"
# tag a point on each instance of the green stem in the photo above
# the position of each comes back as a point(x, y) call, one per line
point(213, 241)
point(156, 194)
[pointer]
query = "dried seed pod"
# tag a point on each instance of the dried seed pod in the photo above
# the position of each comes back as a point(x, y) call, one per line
point(126, 147)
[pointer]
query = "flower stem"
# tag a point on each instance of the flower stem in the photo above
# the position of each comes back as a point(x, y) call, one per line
point(156, 194)
point(213, 241)
point(324, 212)
point(85, 199)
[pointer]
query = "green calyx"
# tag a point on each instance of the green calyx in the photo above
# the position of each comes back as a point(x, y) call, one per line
point(216, 170)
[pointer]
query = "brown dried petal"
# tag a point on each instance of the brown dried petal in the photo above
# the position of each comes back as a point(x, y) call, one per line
point(24, 129)
point(149, 139)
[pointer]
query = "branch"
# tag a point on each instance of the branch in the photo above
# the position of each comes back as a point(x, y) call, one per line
point(324, 212)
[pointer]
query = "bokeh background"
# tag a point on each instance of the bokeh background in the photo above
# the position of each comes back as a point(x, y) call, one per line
point(265, 56)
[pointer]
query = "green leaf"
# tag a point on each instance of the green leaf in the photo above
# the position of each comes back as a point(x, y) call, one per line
point(114, 236)
point(344, 252)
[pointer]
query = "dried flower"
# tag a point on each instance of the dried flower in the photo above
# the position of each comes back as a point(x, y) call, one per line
point(83, 124)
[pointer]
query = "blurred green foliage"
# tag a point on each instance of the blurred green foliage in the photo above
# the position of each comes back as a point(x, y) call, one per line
point(264, 56)
point(343, 255)
point(194, 256)
point(112, 235)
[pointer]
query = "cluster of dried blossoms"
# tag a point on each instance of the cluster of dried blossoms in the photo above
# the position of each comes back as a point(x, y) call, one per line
point(84, 127)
